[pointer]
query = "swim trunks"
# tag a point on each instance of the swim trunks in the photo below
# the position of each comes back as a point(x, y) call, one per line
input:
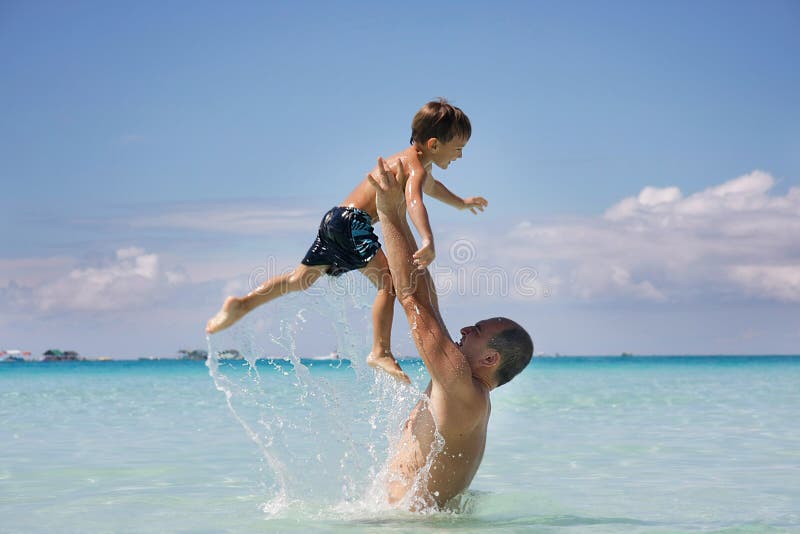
point(346, 241)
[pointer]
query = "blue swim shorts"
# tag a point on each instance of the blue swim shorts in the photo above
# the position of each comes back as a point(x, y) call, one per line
point(346, 241)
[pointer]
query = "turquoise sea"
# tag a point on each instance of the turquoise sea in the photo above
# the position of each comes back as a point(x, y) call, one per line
point(681, 444)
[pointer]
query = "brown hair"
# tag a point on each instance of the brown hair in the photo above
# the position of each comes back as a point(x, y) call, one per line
point(439, 119)
point(516, 349)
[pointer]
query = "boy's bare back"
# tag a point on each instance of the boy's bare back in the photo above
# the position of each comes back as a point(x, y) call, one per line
point(363, 196)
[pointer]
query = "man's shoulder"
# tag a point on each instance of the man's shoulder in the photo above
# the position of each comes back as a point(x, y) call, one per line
point(462, 412)
point(469, 395)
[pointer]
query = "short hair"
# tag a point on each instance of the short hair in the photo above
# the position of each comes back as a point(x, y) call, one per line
point(516, 349)
point(439, 119)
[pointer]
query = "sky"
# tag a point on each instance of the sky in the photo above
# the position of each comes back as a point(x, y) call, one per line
point(641, 162)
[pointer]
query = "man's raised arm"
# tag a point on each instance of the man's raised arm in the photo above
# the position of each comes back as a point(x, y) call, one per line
point(414, 287)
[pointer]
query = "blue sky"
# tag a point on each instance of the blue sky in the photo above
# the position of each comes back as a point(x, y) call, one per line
point(642, 160)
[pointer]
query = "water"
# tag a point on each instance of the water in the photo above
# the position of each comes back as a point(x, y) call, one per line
point(575, 445)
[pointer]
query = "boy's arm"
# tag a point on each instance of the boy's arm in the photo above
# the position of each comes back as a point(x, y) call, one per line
point(419, 213)
point(444, 361)
point(439, 191)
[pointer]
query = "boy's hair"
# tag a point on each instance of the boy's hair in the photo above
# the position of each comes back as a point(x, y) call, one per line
point(441, 120)
point(516, 348)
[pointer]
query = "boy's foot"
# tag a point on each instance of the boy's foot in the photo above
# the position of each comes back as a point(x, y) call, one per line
point(231, 312)
point(384, 360)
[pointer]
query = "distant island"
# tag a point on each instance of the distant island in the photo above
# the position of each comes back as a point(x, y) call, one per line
point(58, 355)
point(52, 355)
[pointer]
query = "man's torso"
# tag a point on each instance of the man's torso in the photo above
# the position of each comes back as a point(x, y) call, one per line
point(437, 468)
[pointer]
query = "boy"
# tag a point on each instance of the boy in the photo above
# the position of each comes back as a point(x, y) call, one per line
point(346, 240)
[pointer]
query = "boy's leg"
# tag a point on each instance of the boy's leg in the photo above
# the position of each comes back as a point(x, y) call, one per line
point(377, 270)
point(234, 308)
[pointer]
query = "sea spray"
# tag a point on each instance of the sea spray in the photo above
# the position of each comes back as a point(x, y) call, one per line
point(229, 388)
point(332, 457)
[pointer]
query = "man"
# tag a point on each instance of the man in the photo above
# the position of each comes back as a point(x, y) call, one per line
point(444, 438)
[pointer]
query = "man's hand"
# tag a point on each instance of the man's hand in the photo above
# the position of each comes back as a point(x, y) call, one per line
point(475, 204)
point(389, 194)
point(390, 200)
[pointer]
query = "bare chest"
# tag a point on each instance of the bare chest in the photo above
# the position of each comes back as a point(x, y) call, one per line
point(437, 455)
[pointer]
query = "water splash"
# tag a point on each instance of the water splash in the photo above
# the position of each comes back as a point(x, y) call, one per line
point(228, 388)
point(324, 441)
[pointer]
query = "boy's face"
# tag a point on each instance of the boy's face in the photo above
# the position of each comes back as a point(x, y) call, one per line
point(443, 154)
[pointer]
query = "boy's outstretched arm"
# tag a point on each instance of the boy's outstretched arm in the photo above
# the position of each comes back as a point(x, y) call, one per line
point(437, 190)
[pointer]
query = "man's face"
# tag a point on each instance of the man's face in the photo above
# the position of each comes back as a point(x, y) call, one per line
point(475, 339)
point(446, 153)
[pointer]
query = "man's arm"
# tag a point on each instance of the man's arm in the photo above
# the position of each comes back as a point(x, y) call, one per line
point(414, 287)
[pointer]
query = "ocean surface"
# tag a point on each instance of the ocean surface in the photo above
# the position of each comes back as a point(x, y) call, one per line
point(681, 444)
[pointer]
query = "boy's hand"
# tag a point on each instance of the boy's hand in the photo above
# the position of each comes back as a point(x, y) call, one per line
point(425, 255)
point(475, 204)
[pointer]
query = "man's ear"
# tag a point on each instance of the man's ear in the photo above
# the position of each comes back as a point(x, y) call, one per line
point(432, 144)
point(490, 358)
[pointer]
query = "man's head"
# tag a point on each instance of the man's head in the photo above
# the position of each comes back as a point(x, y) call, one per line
point(439, 126)
point(497, 349)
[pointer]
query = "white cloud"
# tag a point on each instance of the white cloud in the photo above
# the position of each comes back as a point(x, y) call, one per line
point(781, 282)
point(132, 278)
point(748, 193)
point(650, 199)
point(236, 218)
point(735, 240)
point(33, 271)
point(589, 281)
